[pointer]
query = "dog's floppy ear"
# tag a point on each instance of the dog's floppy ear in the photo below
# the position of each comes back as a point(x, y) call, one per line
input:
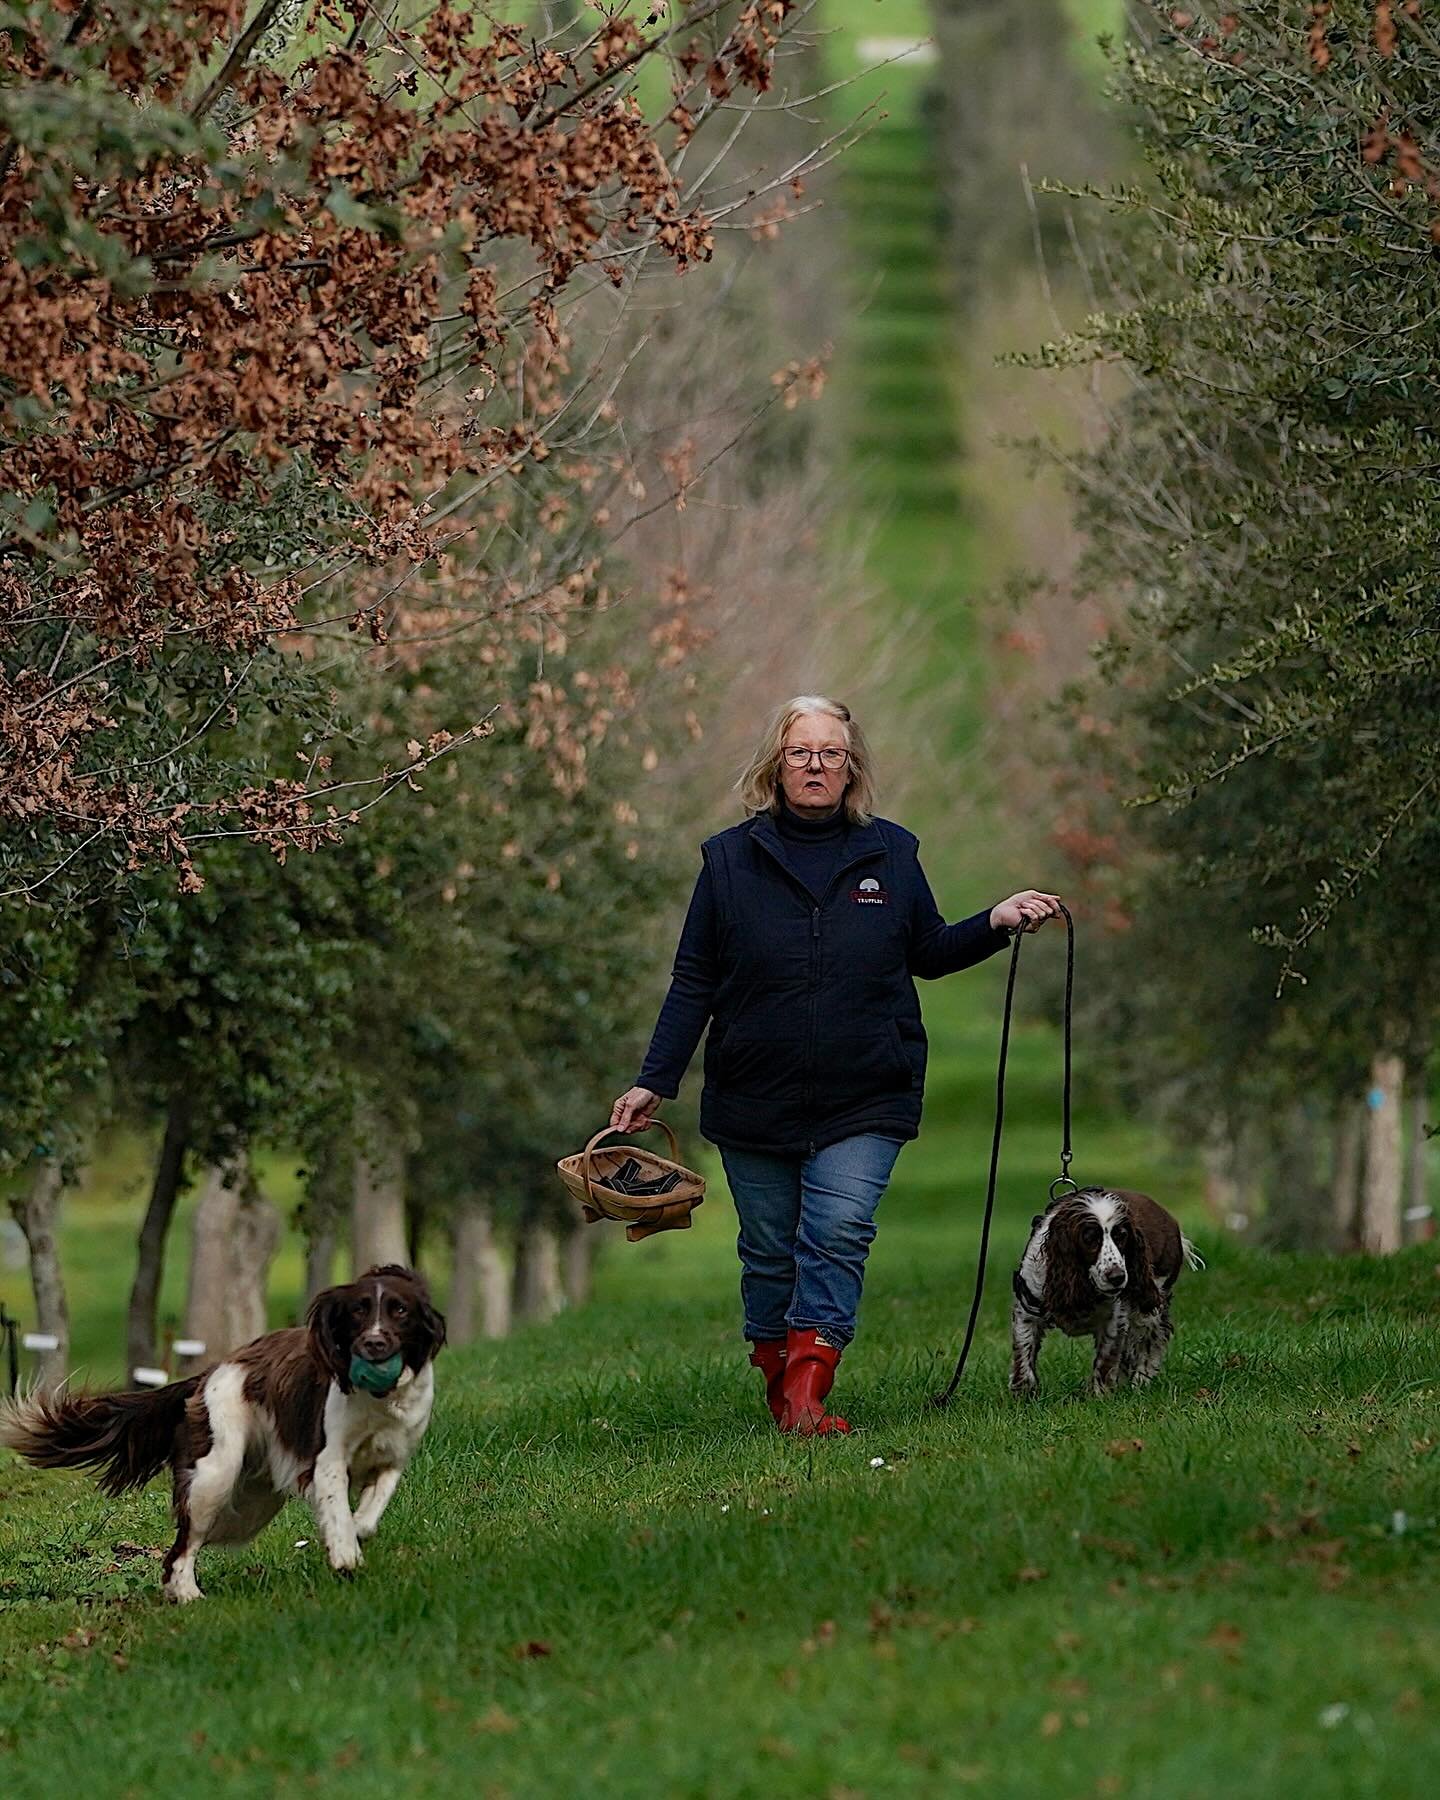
point(432, 1320)
point(328, 1322)
point(1068, 1290)
point(1140, 1289)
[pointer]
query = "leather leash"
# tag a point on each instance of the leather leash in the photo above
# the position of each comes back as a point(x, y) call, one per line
point(1063, 1179)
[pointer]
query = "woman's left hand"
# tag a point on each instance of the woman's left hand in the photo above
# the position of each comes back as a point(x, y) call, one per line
point(1028, 910)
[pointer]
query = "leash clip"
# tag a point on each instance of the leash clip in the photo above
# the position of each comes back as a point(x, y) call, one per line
point(1064, 1178)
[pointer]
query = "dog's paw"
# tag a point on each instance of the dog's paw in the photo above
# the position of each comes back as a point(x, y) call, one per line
point(348, 1560)
point(176, 1593)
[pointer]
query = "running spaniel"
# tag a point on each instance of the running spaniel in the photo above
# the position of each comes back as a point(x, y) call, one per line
point(341, 1403)
point(1100, 1263)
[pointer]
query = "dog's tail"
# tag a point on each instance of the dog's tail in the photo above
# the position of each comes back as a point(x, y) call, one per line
point(126, 1438)
point(1193, 1258)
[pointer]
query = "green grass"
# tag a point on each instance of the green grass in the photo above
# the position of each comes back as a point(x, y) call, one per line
point(1197, 1591)
point(1019, 1599)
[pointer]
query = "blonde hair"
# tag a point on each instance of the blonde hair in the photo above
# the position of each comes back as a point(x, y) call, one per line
point(759, 786)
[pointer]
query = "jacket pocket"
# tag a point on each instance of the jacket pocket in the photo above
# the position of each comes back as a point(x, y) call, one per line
point(750, 1062)
point(865, 1068)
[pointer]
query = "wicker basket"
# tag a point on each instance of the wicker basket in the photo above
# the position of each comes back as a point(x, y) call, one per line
point(642, 1214)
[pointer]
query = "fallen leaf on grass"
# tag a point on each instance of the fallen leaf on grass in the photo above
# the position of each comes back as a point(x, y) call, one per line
point(533, 1647)
point(1120, 1548)
point(1029, 1574)
point(1324, 1550)
point(1225, 1637)
point(496, 1720)
point(822, 1640)
point(1070, 1687)
point(1118, 1447)
point(1052, 1724)
point(776, 1747)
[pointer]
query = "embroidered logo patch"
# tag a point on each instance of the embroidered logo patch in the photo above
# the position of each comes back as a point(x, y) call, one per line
point(869, 893)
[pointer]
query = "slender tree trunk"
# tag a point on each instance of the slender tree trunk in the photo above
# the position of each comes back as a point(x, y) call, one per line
point(1380, 1189)
point(1420, 1225)
point(256, 1233)
point(1221, 1191)
point(142, 1334)
point(320, 1249)
point(211, 1238)
point(37, 1213)
point(577, 1263)
point(479, 1287)
point(378, 1218)
point(1297, 1212)
point(1346, 1143)
point(538, 1294)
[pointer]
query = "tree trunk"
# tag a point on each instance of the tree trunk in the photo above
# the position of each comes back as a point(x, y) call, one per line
point(142, 1333)
point(211, 1236)
point(479, 1289)
point(377, 1232)
point(37, 1213)
point(577, 1263)
point(320, 1249)
point(257, 1232)
point(1418, 1220)
point(538, 1294)
point(1297, 1210)
point(1349, 1136)
point(1380, 1188)
point(1221, 1191)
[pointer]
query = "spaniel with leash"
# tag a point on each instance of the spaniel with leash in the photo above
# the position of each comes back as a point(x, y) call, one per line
point(1101, 1263)
point(338, 1404)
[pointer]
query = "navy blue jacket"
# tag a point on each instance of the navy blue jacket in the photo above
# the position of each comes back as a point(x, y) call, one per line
point(815, 1030)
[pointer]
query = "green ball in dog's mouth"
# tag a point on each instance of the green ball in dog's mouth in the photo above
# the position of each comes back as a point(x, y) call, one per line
point(376, 1378)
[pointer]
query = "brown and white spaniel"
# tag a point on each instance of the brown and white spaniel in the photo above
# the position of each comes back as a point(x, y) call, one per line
point(1100, 1263)
point(280, 1417)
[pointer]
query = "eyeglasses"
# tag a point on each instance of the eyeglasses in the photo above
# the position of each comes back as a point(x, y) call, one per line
point(798, 757)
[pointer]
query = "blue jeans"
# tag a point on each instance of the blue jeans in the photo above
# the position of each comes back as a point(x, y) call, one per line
point(806, 1223)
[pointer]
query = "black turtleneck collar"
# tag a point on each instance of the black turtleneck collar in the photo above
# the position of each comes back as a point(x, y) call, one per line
point(811, 831)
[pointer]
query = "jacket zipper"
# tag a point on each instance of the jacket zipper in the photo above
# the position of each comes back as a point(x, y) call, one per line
point(815, 911)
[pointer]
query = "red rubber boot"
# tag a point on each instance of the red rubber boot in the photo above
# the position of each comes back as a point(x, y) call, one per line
point(809, 1376)
point(768, 1355)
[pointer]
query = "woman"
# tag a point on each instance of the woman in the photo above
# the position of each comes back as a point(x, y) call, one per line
point(805, 929)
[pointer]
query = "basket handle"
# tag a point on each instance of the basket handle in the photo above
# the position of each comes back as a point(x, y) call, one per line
point(605, 1131)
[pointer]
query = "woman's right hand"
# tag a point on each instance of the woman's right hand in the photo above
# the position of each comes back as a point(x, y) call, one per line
point(634, 1109)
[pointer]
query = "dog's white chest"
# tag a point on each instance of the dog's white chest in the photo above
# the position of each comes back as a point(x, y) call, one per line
point(380, 1431)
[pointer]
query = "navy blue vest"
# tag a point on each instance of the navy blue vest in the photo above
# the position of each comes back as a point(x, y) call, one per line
point(815, 1031)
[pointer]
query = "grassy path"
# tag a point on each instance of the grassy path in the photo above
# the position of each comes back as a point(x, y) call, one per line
point(607, 1575)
